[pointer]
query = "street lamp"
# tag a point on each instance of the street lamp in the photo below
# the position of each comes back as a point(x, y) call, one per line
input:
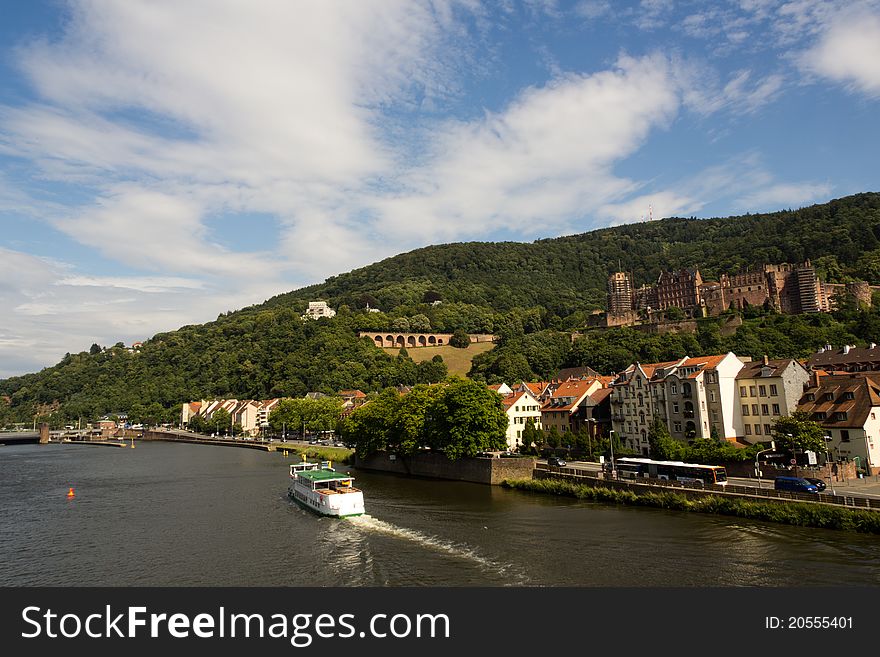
point(758, 459)
point(591, 426)
point(828, 439)
point(611, 442)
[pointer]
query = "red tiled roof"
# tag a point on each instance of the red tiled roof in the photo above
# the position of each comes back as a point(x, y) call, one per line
point(510, 400)
point(599, 395)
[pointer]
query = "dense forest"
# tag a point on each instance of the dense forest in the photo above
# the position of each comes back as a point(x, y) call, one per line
point(531, 295)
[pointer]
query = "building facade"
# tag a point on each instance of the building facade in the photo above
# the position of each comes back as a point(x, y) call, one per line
point(766, 390)
point(693, 396)
point(848, 408)
point(521, 408)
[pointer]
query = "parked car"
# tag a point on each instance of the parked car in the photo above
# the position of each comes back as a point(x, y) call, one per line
point(556, 460)
point(794, 485)
point(818, 483)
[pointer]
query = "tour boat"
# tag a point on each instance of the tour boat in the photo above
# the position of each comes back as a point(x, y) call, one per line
point(319, 488)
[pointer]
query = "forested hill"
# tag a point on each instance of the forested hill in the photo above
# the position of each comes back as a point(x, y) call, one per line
point(566, 274)
point(527, 293)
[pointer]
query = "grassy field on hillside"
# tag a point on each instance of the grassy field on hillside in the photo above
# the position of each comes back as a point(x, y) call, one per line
point(457, 360)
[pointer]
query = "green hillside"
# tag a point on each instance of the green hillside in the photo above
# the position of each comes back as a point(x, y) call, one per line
point(529, 294)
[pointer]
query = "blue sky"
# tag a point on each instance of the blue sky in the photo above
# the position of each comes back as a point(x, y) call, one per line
point(162, 162)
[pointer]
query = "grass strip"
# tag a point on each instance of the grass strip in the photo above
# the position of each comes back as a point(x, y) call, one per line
point(788, 513)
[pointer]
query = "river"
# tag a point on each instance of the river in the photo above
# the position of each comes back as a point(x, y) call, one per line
point(184, 515)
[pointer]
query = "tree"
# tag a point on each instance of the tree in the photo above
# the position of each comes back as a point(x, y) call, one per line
point(419, 323)
point(465, 419)
point(220, 421)
point(95, 349)
point(460, 339)
point(662, 445)
point(196, 424)
point(408, 425)
point(552, 437)
point(370, 428)
point(531, 437)
point(798, 432)
point(431, 296)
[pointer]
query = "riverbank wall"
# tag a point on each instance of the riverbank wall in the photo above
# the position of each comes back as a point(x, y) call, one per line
point(490, 471)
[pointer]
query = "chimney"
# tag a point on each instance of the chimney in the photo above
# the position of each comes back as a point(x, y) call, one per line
point(846, 349)
point(872, 346)
point(766, 360)
point(827, 347)
point(814, 378)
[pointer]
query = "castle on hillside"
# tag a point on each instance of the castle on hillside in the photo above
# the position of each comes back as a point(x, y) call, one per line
point(789, 289)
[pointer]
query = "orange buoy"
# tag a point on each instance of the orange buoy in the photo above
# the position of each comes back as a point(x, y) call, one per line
point(70, 493)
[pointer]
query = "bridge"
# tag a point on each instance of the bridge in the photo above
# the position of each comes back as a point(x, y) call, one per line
point(25, 437)
point(393, 339)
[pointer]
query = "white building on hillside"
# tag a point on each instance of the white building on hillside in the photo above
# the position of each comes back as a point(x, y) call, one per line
point(318, 309)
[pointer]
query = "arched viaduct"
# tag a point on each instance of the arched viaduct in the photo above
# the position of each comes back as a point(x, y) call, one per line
point(396, 339)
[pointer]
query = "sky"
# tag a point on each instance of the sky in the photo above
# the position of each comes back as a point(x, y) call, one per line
point(162, 162)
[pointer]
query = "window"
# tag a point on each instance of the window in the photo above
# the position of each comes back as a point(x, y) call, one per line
point(765, 410)
point(757, 429)
point(638, 383)
point(677, 427)
point(673, 389)
point(773, 392)
point(810, 396)
point(775, 409)
point(829, 396)
point(819, 415)
point(712, 396)
point(848, 395)
point(762, 390)
point(748, 429)
point(675, 407)
point(745, 410)
point(743, 392)
point(752, 391)
point(767, 431)
point(844, 436)
point(754, 409)
point(714, 416)
point(840, 415)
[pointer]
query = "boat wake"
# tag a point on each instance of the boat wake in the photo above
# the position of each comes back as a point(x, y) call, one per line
point(369, 523)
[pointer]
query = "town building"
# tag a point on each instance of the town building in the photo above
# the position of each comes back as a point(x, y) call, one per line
point(693, 396)
point(521, 408)
point(848, 408)
point(767, 389)
point(501, 388)
point(318, 309)
point(847, 358)
point(569, 406)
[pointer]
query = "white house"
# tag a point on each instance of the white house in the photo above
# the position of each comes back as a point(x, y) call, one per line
point(521, 407)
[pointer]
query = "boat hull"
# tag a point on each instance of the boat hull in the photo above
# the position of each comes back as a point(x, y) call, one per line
point(344, 511)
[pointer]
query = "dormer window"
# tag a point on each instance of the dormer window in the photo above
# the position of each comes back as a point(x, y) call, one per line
point(829, 396)
point(849, 395)
point(810, 396)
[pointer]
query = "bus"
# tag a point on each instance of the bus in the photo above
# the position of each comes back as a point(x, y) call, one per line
point(635, 468)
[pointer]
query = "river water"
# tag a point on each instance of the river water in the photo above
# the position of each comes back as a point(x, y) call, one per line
point(170, 514)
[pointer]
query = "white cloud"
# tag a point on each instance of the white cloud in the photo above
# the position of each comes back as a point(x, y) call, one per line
point(592, 9)
point(50, 308)
point(848, 52)
point(544, 160)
